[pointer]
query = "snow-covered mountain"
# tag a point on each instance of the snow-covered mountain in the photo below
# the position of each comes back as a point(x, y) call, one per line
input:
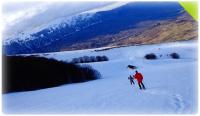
point(51, 27)
point(65, 31)
point(171, 84)
point(62, 22)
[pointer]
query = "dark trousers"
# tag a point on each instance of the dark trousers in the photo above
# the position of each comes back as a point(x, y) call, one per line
point(132, 82)
point(141, 87)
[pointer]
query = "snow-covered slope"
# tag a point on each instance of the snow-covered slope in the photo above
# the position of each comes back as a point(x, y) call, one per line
point(171, 84)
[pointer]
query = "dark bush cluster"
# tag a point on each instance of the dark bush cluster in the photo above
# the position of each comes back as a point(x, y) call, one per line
point(87, 59)
point(150, 56)
point(153, 56)
point(32, 73)
point(175, 55)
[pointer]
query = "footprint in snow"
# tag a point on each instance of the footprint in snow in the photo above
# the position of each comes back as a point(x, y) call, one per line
point(176, 99)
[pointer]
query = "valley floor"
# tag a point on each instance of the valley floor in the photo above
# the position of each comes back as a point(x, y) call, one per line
point(171, 84)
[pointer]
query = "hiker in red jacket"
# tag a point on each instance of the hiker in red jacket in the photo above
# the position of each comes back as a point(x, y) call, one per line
point(139, 78)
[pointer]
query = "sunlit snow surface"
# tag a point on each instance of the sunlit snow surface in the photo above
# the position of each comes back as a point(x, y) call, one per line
point(171, 84)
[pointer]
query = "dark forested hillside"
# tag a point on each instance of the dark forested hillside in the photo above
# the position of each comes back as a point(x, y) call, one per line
point(32, 73)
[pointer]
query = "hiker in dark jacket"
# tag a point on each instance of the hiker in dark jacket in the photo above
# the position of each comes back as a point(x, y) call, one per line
point(139, 78)
point(131, 79)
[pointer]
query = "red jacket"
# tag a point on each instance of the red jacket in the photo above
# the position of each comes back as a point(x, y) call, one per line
point(139, 77)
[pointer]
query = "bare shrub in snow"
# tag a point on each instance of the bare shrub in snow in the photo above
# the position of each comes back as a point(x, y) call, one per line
point(150, 56)
point(87, 59)
point(175, 55)
point(105, 58)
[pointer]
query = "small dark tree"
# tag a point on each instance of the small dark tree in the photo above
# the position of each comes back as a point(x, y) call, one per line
point(150, 56)
point(92, 58)
point(104, 58)
point(175, 55)
point(81, 60)
point(98, 58)
point(86, 59)
point(75, 60)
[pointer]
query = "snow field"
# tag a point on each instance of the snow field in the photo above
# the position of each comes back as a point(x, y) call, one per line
point(171, 84)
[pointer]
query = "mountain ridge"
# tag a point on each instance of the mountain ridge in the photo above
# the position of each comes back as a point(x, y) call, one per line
point(100, 24)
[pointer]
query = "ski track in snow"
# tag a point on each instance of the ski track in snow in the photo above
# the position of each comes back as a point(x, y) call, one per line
point(176, 99)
